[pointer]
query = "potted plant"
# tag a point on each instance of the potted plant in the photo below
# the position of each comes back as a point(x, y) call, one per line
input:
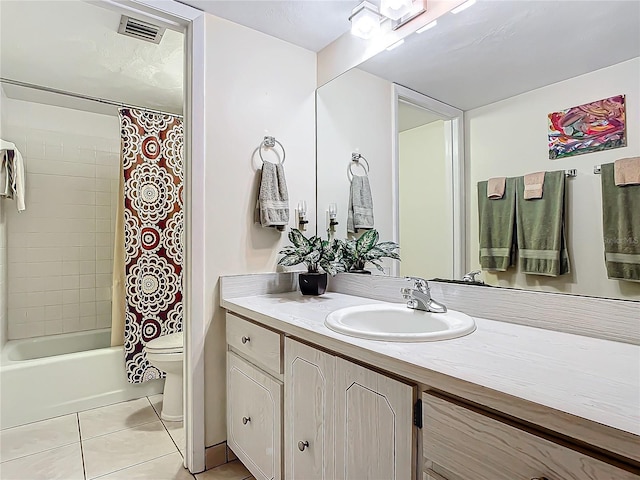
point(355, 253)
point(320, 257)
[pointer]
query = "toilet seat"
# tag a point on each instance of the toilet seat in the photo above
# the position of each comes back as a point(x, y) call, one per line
point(165, 344)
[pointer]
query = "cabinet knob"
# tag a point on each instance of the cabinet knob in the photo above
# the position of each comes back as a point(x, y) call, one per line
point(246, 420)
point(302, 445)
point(246, 339)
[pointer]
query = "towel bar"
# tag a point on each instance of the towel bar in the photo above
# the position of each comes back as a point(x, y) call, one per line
point(270, 142)
point(355, 158)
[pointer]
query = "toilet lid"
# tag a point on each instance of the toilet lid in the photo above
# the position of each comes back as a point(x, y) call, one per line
point(172, 343)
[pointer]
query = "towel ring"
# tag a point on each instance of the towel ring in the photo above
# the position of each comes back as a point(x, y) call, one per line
point(355, 158)
point(270, 142)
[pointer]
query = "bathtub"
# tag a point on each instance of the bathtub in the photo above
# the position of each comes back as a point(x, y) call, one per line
point(46, 377)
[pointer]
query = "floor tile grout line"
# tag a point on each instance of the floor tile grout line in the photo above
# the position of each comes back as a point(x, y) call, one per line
point(35, 421)
point(40, 451)
point(131, 466)
point(154, 407)
point(121, 430)
point(84, 470)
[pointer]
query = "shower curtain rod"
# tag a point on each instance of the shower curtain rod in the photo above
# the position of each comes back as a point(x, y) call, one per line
point(81, 96)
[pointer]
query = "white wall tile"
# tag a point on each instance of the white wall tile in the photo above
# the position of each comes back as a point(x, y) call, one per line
point(87, 295)
point(70, 296)
point(103, 308)
point(53, 297)
point(87, 266)
point(55, 259)
point(52, 312)
point(70, 282)
point(70, 324)
point(103, 294)
point(53, 327)
point(71, 311)
point(88, 309)
point(87, 281)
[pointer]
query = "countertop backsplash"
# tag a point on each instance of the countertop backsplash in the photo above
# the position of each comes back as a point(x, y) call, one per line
point(608, 319)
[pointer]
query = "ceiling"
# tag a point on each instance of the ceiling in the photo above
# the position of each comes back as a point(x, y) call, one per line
point(76, 48)
point(494, 50)
point(411, 116)
point(311, 24)
point(498, 49)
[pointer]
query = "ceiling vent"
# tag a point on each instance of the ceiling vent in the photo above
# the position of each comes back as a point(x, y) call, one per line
point(135, 28)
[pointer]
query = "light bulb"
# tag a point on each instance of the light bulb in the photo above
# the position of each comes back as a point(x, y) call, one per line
point(365, 20)
point(395, 9)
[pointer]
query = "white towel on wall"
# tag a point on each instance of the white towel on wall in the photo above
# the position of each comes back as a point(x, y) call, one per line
point(13, 175)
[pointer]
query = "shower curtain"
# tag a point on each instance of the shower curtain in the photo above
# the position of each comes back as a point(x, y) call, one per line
point(148, 255)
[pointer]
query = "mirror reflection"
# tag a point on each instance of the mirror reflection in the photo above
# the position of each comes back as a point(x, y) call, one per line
point(499, 63)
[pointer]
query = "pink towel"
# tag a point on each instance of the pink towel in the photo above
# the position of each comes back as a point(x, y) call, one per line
point(627, 171)
point(495, 187)
point(533, 183)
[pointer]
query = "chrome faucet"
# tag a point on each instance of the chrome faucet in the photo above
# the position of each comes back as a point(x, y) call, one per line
point(419, 297)
point(471, 276)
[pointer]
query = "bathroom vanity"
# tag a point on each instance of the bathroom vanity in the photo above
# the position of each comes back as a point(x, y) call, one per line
point(506, 402)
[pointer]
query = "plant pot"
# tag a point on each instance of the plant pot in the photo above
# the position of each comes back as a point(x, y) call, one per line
point(365, 272)
point(312, 283)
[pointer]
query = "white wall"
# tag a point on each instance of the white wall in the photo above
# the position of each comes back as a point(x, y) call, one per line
point(425, 225)
point(60, 249)
point(354, 114)
point(509, 138)
point(3, 274)
point(254, 83)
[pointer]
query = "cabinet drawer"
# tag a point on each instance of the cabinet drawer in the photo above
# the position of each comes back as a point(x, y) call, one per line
point(476, 447)
point(254, 418)
point(255, 342)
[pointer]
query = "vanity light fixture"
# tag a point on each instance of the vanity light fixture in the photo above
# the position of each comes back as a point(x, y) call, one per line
point(395, 9)
point(462, 7)
point(427, 26)
point(302, 215)
point(396, 45)
point(365, 20)
point(333, 214)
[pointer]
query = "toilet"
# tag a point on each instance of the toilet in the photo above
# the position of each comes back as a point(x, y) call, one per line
point(166, 353)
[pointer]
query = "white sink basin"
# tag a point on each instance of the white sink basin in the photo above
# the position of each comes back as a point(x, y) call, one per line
point(398, 323)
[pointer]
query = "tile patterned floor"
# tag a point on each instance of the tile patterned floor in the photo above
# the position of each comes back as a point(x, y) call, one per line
point(125, 441)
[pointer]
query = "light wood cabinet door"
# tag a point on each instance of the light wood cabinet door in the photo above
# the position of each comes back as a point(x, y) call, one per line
point(374, 425)
point(254, 418)
point(474, 446)
point(309, 420)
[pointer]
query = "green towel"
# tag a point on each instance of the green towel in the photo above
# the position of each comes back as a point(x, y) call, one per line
point(621, 227)
point(540, 228)
point(496, 218)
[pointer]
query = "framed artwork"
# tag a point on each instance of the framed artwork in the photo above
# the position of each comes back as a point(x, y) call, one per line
point(588, 128)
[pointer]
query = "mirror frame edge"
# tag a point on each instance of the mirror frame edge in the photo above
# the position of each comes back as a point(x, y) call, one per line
point(457, 186)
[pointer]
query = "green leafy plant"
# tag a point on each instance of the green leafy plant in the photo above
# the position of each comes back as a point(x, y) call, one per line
point(314, 252)
point(355, 253)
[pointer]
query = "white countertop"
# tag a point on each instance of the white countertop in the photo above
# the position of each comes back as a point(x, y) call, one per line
point(597, 380)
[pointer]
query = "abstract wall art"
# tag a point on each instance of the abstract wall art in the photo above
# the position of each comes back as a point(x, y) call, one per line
point(588, 128)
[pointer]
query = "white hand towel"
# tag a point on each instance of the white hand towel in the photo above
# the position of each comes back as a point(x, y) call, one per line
point(17, 171)
point(360, 210)
point(273, 197)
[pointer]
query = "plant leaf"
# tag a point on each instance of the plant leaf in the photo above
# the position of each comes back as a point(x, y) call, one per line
point(298, 239)
point(289, 260)
point(367, 241)
point(378, 266)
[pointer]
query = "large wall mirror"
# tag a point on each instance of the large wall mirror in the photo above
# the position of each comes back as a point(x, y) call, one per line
point(504, 65)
